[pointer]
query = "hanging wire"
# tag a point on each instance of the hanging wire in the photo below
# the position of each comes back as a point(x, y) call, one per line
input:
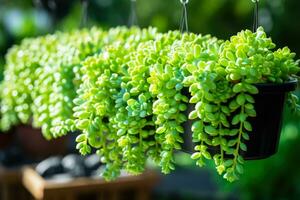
point(133, 14)
point(184, 17)
point(53, 10)
point(38, 4)
point(255, 16)
point(84, 13)
point(49, 9)
point(52, 5)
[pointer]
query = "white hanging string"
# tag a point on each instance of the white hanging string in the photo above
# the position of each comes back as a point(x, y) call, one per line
point(84, 13)
point(255, 16)
point(184, 17)
point(133, 14)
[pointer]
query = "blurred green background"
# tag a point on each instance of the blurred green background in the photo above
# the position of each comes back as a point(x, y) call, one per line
point(274, 178)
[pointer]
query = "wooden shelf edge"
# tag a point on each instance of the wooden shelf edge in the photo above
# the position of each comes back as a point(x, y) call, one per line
point(39, 187)
point(33, 182)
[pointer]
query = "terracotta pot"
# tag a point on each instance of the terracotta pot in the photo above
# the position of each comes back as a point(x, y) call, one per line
point(6, 139)
point(36, 146)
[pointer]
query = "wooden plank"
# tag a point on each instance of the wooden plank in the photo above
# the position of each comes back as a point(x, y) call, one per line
point(11, 184)
point(33, 182)
point(10, 176)
point(44, 189)
point(5, 192)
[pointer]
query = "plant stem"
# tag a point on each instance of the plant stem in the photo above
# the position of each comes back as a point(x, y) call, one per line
point(239, 138)
point(220, 137)
point(140, 139)
point(222, 152)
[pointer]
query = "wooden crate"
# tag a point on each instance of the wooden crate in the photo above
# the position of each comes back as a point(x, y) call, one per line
point(138, 187)
point(11, 187)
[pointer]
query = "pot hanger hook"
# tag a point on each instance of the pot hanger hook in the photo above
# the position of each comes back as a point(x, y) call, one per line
point(132, 21)
point(255, 16)
point(184, 17)
point(84, 13)
point(184, 1)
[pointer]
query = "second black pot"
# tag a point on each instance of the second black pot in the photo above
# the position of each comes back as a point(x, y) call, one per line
point(264, 138)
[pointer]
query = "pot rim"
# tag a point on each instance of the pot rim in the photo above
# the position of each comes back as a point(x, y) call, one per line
point(287, 86)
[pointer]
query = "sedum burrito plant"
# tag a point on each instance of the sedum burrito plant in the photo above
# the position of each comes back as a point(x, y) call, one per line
point(19, 77)
point(222, 89)
point(88, 43)
point(130, 105)
point(135, 103)
point(127, 92)
point(45, 73)
point(40, 78)
point(56, 83)
point(169, 100)
point(133, 98)
point(100, 109)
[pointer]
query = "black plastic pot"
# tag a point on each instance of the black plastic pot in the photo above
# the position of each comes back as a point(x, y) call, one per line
point(264, 138)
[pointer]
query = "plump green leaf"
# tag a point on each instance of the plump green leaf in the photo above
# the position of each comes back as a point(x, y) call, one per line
point(228, 163)
point(240, 99)
point(243, 146)
point(247, 126)
point(211, 130)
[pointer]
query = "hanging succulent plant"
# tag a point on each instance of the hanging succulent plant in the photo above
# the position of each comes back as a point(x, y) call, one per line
point(19, 75)
point(41, 70)
point(101, 113)
point(127, 91)
point(222, 88)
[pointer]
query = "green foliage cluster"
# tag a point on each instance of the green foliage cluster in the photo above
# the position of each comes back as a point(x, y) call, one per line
point(56, 81)
point(40, 81)
point(147, 109)
point(223, 90)
point(170, 98)
point(19, 77)
point(127, 92)
point(101, 107)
